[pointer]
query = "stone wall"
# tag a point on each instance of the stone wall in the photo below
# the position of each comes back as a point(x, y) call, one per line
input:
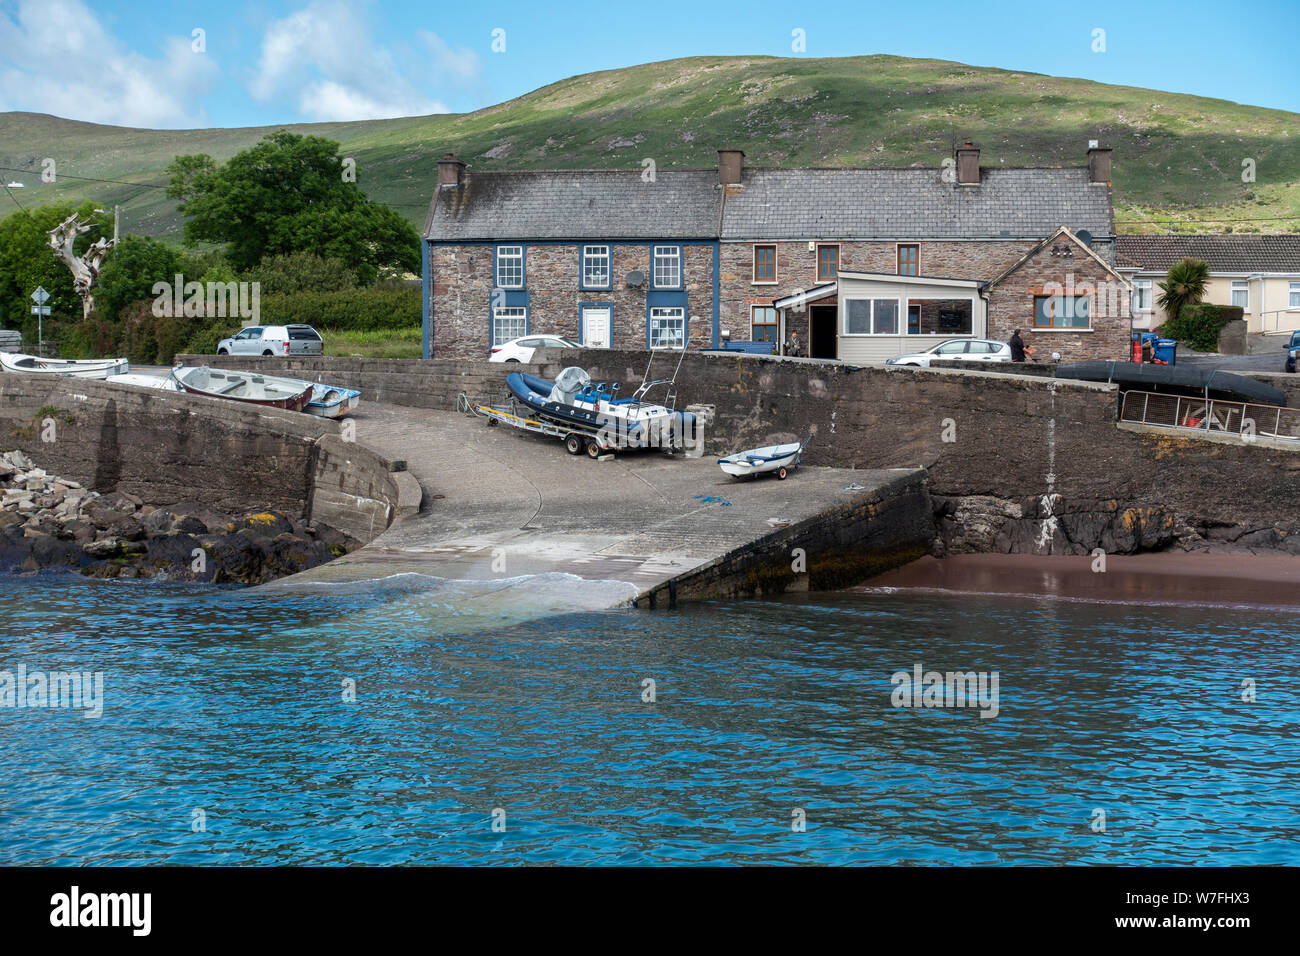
point(165, 447)
point(1015, 462)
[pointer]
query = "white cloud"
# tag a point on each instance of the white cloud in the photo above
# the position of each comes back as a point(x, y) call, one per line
point(324, 60)
point(57, 58)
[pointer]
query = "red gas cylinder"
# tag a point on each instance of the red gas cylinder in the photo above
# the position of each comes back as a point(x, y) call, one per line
point(1137, 350)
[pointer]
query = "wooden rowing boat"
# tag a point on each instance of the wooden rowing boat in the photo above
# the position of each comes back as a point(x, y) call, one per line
point(248, 387)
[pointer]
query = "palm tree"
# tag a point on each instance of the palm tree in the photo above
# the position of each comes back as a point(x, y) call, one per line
point(1184, 285)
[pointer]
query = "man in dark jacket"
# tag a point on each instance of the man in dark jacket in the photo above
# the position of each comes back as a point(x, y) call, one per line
point(1017, 347)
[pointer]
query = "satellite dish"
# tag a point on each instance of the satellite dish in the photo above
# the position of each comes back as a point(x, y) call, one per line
point(636, 278)
point(1084, 236)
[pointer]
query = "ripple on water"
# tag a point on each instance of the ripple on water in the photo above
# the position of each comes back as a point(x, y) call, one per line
point(470, 699)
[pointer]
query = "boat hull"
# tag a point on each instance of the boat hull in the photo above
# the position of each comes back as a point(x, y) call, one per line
point(758, 461)
point(658, 426)
point(329, 401)
point(71, 368)
point(1175, 379)
point(246, 388)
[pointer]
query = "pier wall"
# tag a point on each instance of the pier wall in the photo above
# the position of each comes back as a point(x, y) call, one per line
point(1016, 463)
point(166, 447)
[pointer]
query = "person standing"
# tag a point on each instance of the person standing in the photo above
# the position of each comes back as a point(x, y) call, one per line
point(1018, 350)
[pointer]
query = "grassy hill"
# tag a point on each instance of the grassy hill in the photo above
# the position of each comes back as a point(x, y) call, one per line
point(1177, 158)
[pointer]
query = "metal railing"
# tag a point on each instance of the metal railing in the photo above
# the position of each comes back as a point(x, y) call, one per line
point(1246, 420)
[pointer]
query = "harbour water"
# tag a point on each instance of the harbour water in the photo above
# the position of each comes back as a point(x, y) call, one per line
point(482, 735)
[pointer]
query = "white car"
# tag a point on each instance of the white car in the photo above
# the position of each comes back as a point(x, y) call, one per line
point(273, 340)
point(521, 350)
point(962, 350)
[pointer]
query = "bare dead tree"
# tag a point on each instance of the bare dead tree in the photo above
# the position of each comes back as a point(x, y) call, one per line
point(85, 268)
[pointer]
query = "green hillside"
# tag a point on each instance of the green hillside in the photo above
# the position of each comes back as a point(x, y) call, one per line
point(1176, 157)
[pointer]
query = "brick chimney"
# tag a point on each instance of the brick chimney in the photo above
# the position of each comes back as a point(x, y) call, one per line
point(730, 164)
point(968, 165)
point(1098, 163)
point(449, 170)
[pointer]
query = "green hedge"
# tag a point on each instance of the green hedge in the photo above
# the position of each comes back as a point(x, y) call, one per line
point(355, 310)
point(1198, 325)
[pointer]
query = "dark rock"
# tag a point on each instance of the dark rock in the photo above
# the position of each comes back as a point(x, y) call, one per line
point(266, 524)
point(118, 501)
point(189, 525)
point(107, 547)
point(173, 554)
point(48, 551)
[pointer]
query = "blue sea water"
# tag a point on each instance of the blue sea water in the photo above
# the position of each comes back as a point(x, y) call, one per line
point(225, 738)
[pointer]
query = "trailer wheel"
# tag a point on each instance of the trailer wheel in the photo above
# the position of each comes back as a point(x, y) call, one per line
point(491, 422)
point(781, 474)
point(573, 444)
point(593, 448)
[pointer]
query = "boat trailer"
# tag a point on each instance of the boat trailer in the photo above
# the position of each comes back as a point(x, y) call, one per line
point(577, 439)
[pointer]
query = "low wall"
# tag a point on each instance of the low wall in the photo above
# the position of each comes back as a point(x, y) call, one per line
point(166, 447)
point(1015, 462)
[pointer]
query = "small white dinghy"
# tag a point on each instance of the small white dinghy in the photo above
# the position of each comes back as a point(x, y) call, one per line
point(73, 368)
point(330, 401)
point(778, 458)
point(163, 383)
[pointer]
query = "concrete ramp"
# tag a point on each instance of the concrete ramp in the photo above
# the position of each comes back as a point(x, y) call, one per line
point(498, 504)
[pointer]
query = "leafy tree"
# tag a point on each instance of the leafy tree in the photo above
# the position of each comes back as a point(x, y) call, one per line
point(130, 271)
point(27, 261)
point(302, 272)
point(288, 194)
point(1184, 285)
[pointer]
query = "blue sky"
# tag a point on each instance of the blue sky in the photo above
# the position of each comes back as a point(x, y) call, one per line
point(305, 60)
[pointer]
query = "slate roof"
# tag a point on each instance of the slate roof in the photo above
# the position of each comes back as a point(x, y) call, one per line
point(1242, 254)
point(773, 204)
point(577, 204)
point(914, 204)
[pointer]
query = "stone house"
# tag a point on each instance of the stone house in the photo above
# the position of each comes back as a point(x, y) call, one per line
point(617, 258)
point(1260, 273)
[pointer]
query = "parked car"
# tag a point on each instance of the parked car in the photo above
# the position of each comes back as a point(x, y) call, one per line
point(273, 340)
point(521, 349)
point(1292, 351)
point(962, 350)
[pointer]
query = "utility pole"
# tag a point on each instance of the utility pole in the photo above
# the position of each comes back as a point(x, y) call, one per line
point(116, 212)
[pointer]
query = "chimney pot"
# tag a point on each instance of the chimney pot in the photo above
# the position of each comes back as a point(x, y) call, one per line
point(449, 171)
point(1098, 163)
point(731, 163)
point(968, 165)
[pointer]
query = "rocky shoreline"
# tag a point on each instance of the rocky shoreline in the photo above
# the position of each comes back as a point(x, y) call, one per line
point(50, 523)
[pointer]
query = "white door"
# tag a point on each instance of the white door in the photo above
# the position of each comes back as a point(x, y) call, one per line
point(595, 328)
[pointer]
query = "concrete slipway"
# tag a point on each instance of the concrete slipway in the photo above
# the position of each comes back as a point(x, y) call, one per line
point(499, 503)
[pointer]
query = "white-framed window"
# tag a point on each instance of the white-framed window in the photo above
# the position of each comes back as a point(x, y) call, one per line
point(1141, 295)
point(508, 323)
point(510, 267)
point(595, 267)
point(667, 327)
point(1293, 301)
point(668, 267)
point(1062, 312)
point(1241, 293)
point(871, 317)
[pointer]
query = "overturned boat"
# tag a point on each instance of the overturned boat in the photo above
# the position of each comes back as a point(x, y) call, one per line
point(72, 368)
point(573, 401)
point(159, 382)
point(248, 387)
point(1175, 380)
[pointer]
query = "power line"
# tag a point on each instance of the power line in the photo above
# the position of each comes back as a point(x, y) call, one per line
point(90, 179)
point(13, 197)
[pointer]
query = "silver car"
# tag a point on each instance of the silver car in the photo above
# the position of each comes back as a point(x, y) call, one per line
point(273, 340)
point(961, 350)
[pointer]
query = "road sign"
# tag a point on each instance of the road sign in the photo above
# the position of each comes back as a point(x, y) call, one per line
point(40, 296)
point(40, 310)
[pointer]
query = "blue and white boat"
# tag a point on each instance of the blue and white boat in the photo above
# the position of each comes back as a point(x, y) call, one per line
point(778, 458)
point(574, 401)
point(330, 401)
